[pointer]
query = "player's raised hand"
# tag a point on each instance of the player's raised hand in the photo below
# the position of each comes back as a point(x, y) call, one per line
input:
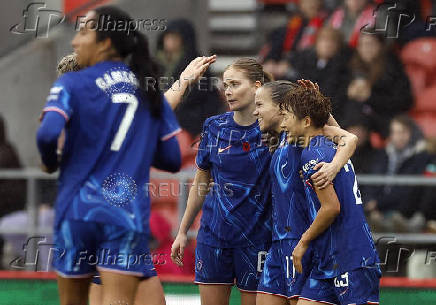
point(297, 255)
point(308, 84)
point(196, 68)
point(178, 249)
point(325, 174)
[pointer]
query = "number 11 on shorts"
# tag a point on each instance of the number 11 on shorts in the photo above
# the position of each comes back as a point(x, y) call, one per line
point(289, 261)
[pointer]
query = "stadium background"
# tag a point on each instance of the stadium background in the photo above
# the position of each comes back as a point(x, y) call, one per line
point(228, 28)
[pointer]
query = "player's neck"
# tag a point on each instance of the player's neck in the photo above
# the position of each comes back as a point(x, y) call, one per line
point(310, 133)
point(244, 117)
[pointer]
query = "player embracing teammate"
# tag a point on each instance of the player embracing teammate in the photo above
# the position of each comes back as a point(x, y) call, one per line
point(281, 282)
point(345, 261)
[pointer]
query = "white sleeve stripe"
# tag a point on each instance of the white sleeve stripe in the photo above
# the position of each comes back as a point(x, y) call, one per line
point(52, 97)
point(58, 110)
point(56, 90)
point(170, 135)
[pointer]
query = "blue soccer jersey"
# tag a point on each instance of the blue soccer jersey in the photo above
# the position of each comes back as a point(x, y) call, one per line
point(237, 212)
point(290, 215)
point(111, 139)
point(347, 244)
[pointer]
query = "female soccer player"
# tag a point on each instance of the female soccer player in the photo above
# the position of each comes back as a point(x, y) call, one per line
point(345, 255)
point(114, 122)
point(235, 229)
point(280, 283)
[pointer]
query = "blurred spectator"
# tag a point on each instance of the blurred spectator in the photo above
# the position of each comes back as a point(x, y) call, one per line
point(332, 5)
point(405, 154)
point(12, 192)
point(362, 158)
point(299, 34)
point(379, 88)
point(176, 47)
point(351, 17)
point(161, 248)
point(428, 206)
point(325, 64)
point(15, 243)
point(365, 153)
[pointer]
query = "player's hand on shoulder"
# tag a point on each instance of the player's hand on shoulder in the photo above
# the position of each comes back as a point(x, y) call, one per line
point(326, 173)
point(178, 248)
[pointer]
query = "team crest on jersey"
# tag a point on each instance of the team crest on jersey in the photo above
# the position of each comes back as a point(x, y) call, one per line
point(246, 146)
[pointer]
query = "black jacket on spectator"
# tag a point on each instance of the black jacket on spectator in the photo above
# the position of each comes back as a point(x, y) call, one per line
point(332, 77)
point(12, 192)
point(404, 199)
point(390, 95)
point(200, 101)
point(363, 158)
point(428, 204)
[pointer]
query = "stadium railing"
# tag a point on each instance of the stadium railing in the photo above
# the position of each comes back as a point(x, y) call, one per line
point(32, 175)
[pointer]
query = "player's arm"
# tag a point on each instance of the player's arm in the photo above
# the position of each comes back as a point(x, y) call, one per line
point(47, 136)
point(197, 194)
point(191, 74)
point(168, 156)
point(330, 209)
point(332, 122)
point(347, 143)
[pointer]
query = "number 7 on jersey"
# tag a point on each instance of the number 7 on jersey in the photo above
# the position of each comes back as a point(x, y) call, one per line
point(132, 102)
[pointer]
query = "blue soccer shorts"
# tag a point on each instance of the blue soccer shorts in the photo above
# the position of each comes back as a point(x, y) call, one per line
point(82, 248)
point(279, 276)
point(224, 266)
point(360, 286)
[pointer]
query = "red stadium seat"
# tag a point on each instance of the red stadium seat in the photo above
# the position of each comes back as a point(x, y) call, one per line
point(417, 76)
point(420, 52)
point(187, 148)
point(420, 62)
point(426, 101)
point(376, 140)
point(427, 122)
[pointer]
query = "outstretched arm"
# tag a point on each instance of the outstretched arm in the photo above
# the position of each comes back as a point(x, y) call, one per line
point(197, 194)
point(191, 74)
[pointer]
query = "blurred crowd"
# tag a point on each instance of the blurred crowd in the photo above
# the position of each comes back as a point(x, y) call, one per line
point(382, 89)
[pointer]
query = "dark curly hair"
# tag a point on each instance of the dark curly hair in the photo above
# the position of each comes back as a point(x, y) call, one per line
point(308, 102)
